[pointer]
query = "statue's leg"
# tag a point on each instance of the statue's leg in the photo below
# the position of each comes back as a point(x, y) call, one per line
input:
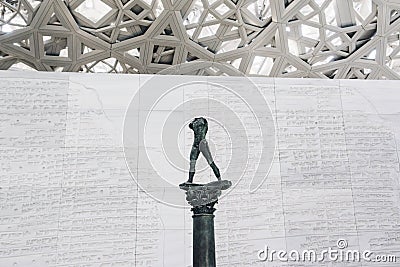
point(205, 150)
point(215, 170)
point(194, 155)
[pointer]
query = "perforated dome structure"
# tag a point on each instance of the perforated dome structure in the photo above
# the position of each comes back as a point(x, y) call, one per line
point(279, 38)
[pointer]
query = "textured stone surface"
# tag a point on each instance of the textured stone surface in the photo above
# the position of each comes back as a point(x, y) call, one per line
point(68, 199)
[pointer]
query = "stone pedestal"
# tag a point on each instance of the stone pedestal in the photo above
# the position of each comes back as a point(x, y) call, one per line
point(202, 198)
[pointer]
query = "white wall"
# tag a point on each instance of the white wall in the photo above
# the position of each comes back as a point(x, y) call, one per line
point(67, 197)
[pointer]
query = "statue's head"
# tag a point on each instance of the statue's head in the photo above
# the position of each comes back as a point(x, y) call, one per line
point(199, 125)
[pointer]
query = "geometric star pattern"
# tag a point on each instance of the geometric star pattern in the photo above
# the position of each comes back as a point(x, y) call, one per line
point(278, 38)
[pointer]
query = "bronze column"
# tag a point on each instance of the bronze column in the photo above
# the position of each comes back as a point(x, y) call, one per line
point(202, 198)
point(203, 236)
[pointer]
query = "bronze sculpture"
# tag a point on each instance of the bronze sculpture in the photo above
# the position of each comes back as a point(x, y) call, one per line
point(202, 198)
point(200, 128)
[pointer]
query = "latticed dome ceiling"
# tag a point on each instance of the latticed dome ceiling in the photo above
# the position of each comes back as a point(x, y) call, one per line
point(280, 38)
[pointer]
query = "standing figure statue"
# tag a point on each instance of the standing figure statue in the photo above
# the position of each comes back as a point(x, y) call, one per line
point(202, 198)
point(200, 127)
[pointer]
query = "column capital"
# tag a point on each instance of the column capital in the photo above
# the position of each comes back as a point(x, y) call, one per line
point(203, 197)
point(207, 209)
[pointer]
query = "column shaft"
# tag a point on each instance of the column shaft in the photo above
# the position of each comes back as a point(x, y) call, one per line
point(203, 240)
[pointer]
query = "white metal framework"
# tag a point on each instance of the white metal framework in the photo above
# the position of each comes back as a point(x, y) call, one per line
point(280, 38)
